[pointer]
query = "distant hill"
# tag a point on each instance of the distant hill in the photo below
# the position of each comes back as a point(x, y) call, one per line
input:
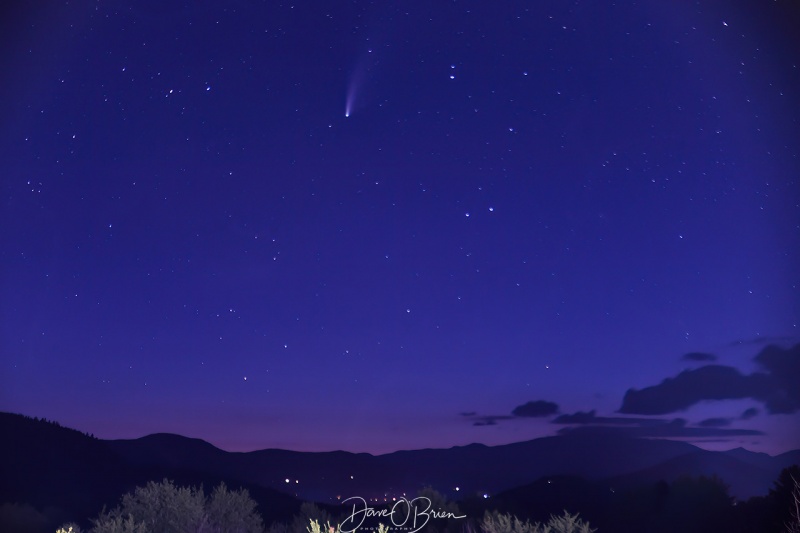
point(745, 473)
point(473, 469)
point(69, 476)
point(73, 475)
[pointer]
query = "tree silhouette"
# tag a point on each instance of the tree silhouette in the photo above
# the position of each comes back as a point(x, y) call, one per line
point(785, 500)
point(165, 508)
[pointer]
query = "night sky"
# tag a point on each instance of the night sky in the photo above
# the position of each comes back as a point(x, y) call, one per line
point(374, 226)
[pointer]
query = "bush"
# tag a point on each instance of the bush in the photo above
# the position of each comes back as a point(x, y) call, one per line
point(69, 528)
point(566, 524)
point(115, 523)
point(309, 513)
point(507, 523)
point(165, 508)
point(793, 525)
point(233, 512)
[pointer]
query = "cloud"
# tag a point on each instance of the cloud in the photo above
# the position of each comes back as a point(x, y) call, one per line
point(581, 417)
point(773, 385)
point(534, 409)
point(675, 428)
point(784, 371)
point(711, 382)
point(699, 356)
point(646, 427)
point(485, 420)
point(539, 408)
point(584, 423)
point(587, 418)
point(715, 422)
point(776, 387)
point(749, 413)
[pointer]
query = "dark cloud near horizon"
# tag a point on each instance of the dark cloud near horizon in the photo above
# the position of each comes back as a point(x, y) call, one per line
point(591, 418)
point(717, 422)
point(776, 388)
point(532, 409)
point(783, 367)
point(536, 409)
point(675, 428)
point(749, 413)
point(589, 424)
point(699, 356)
point(710, 382)
point(485, 420)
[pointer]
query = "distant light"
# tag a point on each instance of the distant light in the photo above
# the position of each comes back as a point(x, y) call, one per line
point(457, 489)
point(485, 496)
point(287, 480)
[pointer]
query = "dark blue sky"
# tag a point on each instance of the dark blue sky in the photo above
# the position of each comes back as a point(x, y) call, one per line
point(541, 202)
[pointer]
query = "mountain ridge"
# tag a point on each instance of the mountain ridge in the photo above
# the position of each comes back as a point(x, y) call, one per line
point(79, 472)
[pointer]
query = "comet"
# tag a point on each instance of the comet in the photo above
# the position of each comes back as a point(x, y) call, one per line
point(351, 96)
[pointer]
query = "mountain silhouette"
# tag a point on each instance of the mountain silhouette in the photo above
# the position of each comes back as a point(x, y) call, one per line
point(70, 476)
point(324, 476)
point(74, 475)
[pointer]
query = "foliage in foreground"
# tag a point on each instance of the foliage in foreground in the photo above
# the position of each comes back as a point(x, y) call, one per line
point(165, 508)
point(508, 523)
point(793, 525)
point(687, 504)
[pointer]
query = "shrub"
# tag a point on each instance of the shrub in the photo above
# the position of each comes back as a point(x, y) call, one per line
point(166, 508)
point(566, 524)
point(69, 528)
point(115, 523)
point(508, 523)
point(233, 511)
point(793, 526)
